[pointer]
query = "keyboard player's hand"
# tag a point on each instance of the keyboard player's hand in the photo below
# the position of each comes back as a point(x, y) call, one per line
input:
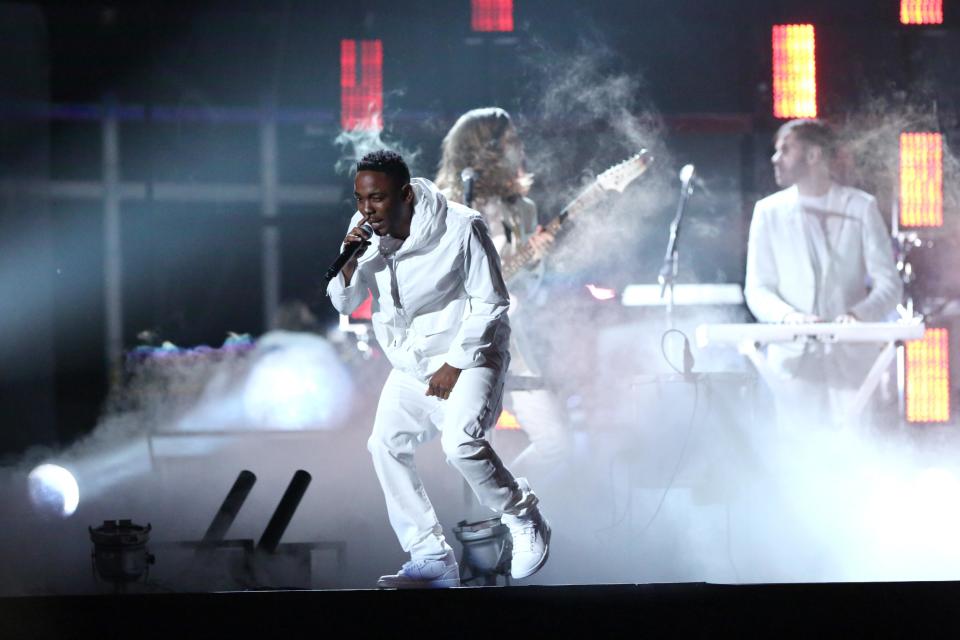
point(798, 317)
point(846, 318)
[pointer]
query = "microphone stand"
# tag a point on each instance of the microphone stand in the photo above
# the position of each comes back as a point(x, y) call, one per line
point(668, 272)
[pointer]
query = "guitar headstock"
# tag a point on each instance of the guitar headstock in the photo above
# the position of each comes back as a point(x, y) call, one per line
point(617, 177)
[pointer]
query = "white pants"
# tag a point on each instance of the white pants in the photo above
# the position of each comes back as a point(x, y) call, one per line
point(540, 416)
point(406, 418)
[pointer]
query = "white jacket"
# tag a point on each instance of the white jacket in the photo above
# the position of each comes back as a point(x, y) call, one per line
point(440, 296)
point(857, 273)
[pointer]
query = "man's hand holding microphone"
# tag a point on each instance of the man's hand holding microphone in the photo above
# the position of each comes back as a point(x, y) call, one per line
point(355, 244)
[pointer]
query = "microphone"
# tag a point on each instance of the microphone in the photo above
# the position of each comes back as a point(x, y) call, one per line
point(690, 179)
point(348, 252)
point(468, 176)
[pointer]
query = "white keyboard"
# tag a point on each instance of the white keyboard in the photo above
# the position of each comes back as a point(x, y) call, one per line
point(714, 334)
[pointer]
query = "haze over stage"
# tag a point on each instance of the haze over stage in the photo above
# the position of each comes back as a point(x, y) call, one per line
point(175, 179)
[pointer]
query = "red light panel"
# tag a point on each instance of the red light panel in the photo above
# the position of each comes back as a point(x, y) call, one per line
point(921, 180)
point(928, 378)
point(361, 100)
point(794, 71)
point(921, 11)
point(492, 15)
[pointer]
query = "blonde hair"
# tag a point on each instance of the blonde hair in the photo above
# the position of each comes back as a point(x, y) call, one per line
point(476, 140)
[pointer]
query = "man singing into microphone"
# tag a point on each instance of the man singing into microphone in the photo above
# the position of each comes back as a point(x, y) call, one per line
point(440, 314)
point(818, 252)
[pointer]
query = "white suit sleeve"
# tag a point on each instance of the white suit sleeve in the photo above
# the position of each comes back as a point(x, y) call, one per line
point(887, 287)
point(345, 298)
point(485, 324)
point(761, 287)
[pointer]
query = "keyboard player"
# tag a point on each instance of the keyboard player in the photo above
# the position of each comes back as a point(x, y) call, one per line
point(818, 251)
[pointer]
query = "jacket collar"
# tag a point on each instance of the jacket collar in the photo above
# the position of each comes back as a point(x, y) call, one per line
point(429, 216)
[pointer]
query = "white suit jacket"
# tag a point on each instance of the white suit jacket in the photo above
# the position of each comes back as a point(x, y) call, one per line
point(439, 297)
point(857, 273)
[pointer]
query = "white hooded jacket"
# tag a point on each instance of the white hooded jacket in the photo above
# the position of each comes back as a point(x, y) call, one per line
point(438, 298)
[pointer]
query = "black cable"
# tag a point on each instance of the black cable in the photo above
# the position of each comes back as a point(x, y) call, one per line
point(680, 458)
point(688, 363)
point(686, 350)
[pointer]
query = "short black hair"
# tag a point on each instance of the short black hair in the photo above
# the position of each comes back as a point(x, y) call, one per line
point(388, 162)
point(811, 131)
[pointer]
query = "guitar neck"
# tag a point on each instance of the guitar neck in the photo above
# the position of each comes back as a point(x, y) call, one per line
point(525, 254)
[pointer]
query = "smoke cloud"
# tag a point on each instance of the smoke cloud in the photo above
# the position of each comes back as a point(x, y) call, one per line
point(356, 143)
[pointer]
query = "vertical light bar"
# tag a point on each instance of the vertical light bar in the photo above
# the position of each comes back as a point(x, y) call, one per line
point(361, 98)
point(928, 377)
point(112, 242)
point(794, 71)
point(921, 180)
point(491, 15)
point(921, 11)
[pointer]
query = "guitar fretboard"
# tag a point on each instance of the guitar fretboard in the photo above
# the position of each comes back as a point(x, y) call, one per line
point(526, 254)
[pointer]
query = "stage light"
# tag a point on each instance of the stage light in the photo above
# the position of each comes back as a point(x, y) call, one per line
point(492, 15)
point(927, 377)
point(921, 11)
point(487, 551)
point(361, 100)
point(601, 293)
point(794, 71)
point(54, 490)
point(921, 180)
point(297, 381)
point(507, 422)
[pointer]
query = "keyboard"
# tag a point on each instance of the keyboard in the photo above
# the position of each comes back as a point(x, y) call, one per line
point(718, 334)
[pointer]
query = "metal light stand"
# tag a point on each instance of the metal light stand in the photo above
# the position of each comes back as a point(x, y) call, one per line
point(904, 243)
point(487, 551)
point(668, 272)
point(120, 556)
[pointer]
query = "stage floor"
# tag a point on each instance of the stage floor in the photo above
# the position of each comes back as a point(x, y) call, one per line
point(681, 610)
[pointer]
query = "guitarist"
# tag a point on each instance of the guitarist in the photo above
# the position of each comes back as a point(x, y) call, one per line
point(485, 142)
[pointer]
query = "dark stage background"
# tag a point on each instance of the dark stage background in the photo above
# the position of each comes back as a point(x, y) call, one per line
point(190, 83)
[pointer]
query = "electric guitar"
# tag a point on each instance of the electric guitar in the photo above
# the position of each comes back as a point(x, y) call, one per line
point(616, 178)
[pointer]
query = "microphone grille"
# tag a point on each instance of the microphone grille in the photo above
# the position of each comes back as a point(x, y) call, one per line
point(468, 174)
point(686, 173)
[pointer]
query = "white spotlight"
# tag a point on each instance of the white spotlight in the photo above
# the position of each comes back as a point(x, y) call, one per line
point(54, 490)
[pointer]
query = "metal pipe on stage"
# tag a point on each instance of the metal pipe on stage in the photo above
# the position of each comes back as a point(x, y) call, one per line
point(229, 509)
point(284, 512)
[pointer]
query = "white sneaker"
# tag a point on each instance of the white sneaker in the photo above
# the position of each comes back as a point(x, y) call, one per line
point(425, 573)
point(531, 543)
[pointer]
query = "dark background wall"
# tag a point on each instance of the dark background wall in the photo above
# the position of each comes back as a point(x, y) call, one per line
point(192, 271)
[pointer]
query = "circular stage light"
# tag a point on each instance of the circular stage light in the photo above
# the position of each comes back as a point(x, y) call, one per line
point(54, 490)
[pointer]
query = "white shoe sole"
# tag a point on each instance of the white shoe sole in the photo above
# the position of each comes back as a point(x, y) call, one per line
point(543, 560)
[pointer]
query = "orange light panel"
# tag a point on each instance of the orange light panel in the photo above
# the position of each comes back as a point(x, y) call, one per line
point(928, 377)
point(921, 180)
point(794, 71)
point(921, 11)
point(361, 99)
point(507, 421)
point(492, 15)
